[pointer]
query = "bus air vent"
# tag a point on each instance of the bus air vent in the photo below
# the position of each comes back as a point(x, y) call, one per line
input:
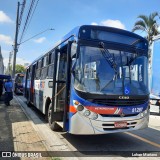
point(119, 102)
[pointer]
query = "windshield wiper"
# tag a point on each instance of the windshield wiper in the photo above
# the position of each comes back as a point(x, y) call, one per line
point(108, 57)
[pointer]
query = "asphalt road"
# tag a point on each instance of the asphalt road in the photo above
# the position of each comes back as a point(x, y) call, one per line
point(141, 140)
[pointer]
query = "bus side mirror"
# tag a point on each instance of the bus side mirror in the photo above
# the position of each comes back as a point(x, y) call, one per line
point(73, 50)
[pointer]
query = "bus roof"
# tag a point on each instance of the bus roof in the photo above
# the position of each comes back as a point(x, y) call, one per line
point(76, 33)
point(73, 33)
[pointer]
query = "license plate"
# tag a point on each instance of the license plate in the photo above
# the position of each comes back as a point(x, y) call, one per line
point(120, 124)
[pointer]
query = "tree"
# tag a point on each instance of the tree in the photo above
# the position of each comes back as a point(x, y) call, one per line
point(8, 70)
point(148, 24)
point(19, 68)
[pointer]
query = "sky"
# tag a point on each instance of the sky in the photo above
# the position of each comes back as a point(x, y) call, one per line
point(63, 16)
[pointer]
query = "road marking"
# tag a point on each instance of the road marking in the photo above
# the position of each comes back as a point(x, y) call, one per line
point(143, 139)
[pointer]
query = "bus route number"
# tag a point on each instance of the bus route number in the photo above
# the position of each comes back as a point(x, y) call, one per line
point(137, 110)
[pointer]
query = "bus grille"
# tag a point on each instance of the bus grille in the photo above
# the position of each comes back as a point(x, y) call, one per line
point(112, 129)
point(117, 115)
point(119, 102)
point(110, 126)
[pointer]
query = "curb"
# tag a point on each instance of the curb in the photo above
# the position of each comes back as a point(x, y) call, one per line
point(154, 117)
point(57, 141)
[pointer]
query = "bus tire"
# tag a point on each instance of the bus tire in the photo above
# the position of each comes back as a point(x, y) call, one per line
point(15, 91)
point(28, 103)
point(48, 101)
point(53, 125)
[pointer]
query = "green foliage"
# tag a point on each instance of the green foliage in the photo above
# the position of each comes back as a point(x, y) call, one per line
point(148, 24)
point(19, 68)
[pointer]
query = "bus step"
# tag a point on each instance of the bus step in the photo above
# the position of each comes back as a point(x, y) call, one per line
point(60, 124)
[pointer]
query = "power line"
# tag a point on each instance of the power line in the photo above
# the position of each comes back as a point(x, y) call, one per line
point(25, 27)
point(21, 13)
point(32, 14)
point(36, 35)
point(28, 19)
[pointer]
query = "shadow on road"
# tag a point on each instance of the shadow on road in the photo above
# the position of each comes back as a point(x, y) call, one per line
point(155, 113)
point(120, 144)
point(8, 116)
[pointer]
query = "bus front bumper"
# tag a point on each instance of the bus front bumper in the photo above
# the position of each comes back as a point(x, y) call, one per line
point(82, 125)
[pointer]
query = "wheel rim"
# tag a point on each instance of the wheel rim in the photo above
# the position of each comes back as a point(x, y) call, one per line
point(49, 115)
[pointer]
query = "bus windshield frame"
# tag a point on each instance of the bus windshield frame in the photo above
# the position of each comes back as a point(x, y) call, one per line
point(127, 87)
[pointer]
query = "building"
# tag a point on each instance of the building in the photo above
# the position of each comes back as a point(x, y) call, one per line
point(1, 63)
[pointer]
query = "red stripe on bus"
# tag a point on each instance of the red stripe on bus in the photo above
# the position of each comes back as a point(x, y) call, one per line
point(102, 110)
point(72, 109)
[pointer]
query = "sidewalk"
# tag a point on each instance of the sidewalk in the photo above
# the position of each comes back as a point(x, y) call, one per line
point(17, 132)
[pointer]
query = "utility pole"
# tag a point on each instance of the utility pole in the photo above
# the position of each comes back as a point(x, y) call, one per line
point(9, 62)
point(15, 42)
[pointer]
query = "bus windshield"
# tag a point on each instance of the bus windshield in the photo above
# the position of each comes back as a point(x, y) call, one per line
point(120, 73)
point(19, 79)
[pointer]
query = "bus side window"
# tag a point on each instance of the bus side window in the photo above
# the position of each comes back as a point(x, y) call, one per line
point(35, 75)
point(52, 57)
point(51, 64)
point(44, 68)
point(28, 77)
point(45, 61)
point(42, 63)
point(38, 70)
point(39, 64)
point(44, 73)
point(38, 74)
point(49, 58)
point(62, 67)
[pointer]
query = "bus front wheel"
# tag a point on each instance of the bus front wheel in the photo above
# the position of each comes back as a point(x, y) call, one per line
point(53, 125)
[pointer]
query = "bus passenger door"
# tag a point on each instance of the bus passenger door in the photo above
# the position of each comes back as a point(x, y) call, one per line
point(60, 87)
point(32, 83)
point(28, 85)
point(25, 84)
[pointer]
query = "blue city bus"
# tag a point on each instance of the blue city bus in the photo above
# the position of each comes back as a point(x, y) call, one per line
point(18, 83)
point(93, 81)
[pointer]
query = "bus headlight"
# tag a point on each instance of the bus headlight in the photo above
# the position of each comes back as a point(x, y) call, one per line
point(144, 113)
point(76, 103)
point(94, 116)
point(84, 111)
point(87, 113)
point(141, 114)
point(80, 107)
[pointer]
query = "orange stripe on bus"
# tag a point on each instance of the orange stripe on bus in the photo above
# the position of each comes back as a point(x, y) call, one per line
point(72, 109)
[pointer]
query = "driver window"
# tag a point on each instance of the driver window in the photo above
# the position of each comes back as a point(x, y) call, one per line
point(62, 67)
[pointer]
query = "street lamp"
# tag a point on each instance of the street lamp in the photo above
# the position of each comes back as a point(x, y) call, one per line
point(50, 29)
point(16, 48)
